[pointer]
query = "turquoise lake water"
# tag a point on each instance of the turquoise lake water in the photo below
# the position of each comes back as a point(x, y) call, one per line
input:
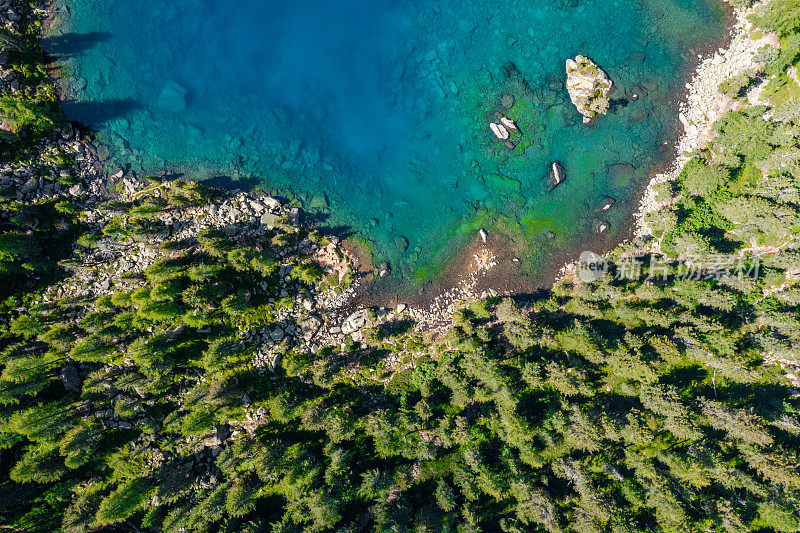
point(373, 116)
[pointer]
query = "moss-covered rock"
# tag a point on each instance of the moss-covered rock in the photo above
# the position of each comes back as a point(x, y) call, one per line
point(588, 87)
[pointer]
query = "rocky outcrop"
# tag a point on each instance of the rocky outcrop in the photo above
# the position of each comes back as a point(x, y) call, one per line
point(588, 87)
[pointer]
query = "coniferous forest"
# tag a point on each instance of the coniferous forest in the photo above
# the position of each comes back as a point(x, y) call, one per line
point(656, 402)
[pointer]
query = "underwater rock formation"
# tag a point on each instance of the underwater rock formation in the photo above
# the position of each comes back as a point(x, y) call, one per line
point(605, 205)
point(600, 226)
point(588, 87)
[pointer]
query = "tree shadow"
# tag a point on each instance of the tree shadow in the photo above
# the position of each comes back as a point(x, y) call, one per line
point(527, 299)
point(97, 113)
point(394, 328)
point(319, 221)
point(685, 376)
point(71, 44)
point(228, 183)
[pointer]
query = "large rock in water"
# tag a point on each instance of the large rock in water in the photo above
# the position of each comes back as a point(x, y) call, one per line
point(556, 175)
point(588, 87)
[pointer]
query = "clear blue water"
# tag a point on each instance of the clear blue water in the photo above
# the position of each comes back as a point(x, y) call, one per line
point(373, 116)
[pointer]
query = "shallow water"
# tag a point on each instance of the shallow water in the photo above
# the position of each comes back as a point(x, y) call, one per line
point(374, 116)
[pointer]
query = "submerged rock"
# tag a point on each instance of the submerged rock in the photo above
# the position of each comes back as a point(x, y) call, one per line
point(588, 87)
point(401, 243)
point(637, 92)
point(172, 98)
point(600, 226)
point(605, 204)
point(621, 173)
point(319, 201)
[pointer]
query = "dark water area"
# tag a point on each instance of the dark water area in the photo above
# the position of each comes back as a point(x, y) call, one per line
point(373, 116)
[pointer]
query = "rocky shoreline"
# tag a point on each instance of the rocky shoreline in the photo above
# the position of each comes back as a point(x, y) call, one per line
point(701, 106)
point(478, 274)
point(704, 105)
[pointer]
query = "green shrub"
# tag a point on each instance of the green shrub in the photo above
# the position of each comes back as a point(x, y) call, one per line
point(18, 114)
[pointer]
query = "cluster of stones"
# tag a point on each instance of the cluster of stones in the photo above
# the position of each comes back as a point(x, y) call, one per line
point(502, 127)
point(9, 20)
point(43, 177)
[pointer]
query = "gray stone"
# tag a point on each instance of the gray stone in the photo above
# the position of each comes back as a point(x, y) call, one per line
point(29, 186)
point(557, 175)
point(588, 87)
point(269, 220)
point(270, 202)
point(70, 378)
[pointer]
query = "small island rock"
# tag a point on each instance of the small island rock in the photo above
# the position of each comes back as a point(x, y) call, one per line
point(588, 87)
